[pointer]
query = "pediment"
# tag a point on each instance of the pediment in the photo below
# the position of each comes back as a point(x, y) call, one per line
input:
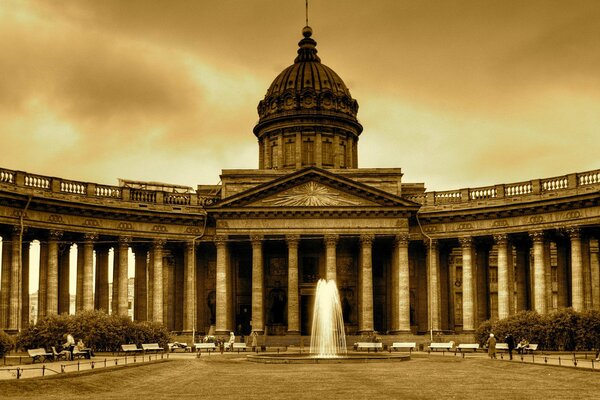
point(313, 188)
point(312, 194)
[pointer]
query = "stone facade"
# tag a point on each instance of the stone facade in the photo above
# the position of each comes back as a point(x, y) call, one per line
point(246, 254)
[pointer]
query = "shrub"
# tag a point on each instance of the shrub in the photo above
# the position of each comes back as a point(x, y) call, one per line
point(563, 329)
point(6, 343)
point(97, 329)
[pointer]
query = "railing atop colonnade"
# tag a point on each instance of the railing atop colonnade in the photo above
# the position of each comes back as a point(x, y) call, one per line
point(564, 183)
point(93, 190)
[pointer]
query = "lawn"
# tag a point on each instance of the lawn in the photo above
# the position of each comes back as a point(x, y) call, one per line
point(224, 377)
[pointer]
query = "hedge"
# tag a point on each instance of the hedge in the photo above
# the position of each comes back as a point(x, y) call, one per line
point(563, 330)
point(6, 343)
point(98, 330)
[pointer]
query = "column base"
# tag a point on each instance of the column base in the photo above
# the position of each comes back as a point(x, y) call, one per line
point(400, 331)
point(293, 333)
point(365, 331)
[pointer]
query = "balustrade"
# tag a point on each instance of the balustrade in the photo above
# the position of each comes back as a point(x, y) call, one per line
point(143, 196)
point(482, 193)
point(588, 178)
point(73, 187)
point(557, 183)
point(36, 181)
point(7, 176)
point(453, 196)
point(108, 191)
point(177, 199)
point(518, 189)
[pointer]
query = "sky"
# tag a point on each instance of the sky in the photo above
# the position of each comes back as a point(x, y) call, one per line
point(457, 93)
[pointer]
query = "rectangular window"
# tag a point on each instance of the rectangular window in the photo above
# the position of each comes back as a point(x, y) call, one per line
point(308, 152)
point(342, 155)
point(290, 153)
point(274, 156)
point(327, 151)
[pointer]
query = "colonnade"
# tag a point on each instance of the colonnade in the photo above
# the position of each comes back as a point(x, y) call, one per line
point(526, 278)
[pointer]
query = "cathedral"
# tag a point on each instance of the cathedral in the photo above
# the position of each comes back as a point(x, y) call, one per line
point(245, 255)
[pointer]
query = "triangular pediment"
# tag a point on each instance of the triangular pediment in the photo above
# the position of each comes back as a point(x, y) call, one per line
point(313, 188)
point(312, 194)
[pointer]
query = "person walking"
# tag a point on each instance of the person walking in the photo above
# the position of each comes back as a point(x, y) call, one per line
point(510, 341)
point(491, 345)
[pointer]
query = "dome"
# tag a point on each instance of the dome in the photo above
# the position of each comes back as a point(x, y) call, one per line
point(307, 117)
point(307, 86)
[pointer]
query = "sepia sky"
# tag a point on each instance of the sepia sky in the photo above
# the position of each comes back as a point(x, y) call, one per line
point(456, 93)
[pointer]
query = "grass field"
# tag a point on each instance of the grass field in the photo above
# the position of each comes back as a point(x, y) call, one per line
point(231, 377)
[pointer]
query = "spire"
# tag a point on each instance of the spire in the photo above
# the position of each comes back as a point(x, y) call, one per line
point(307, 50)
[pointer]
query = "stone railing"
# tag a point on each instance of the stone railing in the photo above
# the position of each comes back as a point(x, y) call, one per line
point(96, 191)
point(560, 184)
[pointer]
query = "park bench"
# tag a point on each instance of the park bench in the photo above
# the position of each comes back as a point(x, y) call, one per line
point(130, 348)
point(441, 346)
point(502, 347)
point(205, 346)
point(85, 353)
point(239, 347)
point(152, 348)
point(39, 354)
point(368, 346)
point(530, 348)
point(178, 346)
point(64, 354)
point(397, 346)
point(464, 347)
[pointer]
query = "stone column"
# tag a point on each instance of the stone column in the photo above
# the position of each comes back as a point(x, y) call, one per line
point(503, 279)
point(293, 293)
point(189, 281)
point(577, 294)
point(25, 305)
point(401, 285)
point(87, 281)
point(595, 270)
point(539, 272)
point(587, 273)
point(157, 280)
point(64, 275)
point(330, 257)
point(79, 279)
point(223, 290)
point(101, 292)
point(114, 295)
point(467, 284)
point(43, 281)
point(5, 282)
point(14, 310)
point(123, 275)
point(258, 319)
point(140, 302)
point(52, 280)
point(434, 284)
point(365, 317)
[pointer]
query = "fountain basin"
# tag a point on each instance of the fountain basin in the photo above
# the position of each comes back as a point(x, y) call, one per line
point(275, 358)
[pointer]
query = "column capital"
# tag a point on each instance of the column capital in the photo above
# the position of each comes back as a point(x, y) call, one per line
point(159, 243)
point(466, 242)
point(90, 236)
point(220, 240)
point(537, 236)
point(16, 229)
point(401, 239)
point(124, 241)
point(292, 240)
point(574, 232)
point(367, 239)
point(257, 239)
point(330, 239)
point(501, 238)
point(55, 234)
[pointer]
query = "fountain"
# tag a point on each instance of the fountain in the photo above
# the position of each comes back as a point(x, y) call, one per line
point(328, 339)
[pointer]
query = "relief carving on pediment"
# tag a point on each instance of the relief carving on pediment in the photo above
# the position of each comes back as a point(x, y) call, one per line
point(313, 194)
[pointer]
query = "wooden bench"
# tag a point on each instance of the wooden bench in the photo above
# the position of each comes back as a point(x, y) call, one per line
point(502, 347)
point(464, 347)
point(239, 347)
point(368, 346)
point(85, 353)
point(397, 346)
point(530, 348)
point(152, 348)
point(40, 355)
point(130, 348)
point(441, 346)
point(205, 346)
